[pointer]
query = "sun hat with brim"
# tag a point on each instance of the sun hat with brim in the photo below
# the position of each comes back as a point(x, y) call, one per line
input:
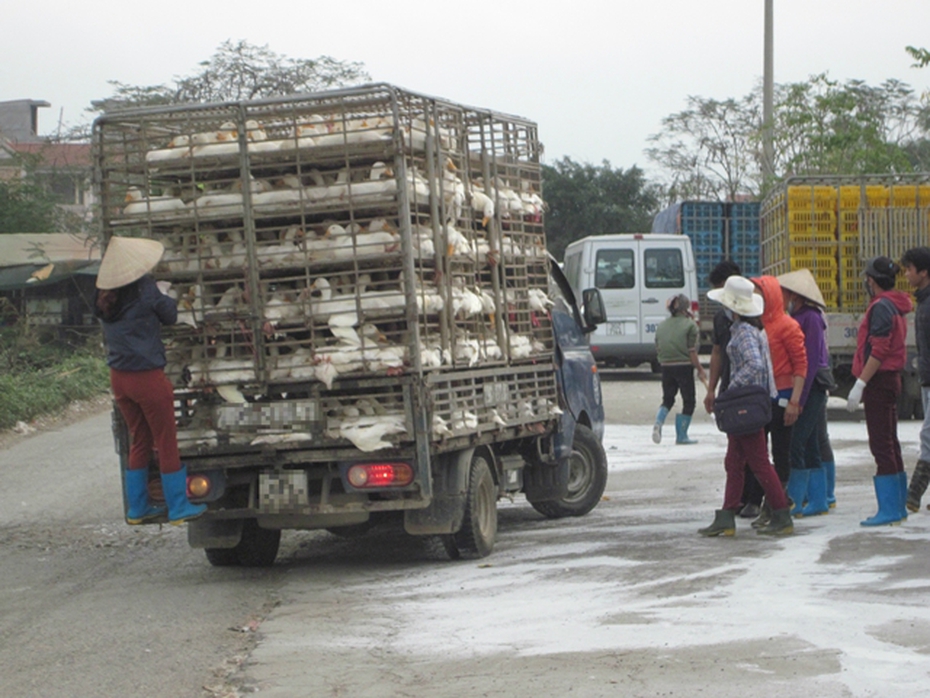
point(738, 294)
point(127, 260)
point(802, 282)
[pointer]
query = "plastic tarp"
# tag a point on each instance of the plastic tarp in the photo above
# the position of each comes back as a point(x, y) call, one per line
point(666, 221)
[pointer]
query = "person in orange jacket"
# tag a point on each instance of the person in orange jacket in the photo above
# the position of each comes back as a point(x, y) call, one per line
point(789, 364)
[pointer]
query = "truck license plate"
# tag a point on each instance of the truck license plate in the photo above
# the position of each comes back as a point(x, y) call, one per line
point(281, 491)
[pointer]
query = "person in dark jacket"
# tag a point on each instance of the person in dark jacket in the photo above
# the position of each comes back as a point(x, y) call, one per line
point(807, 481)
point(880, 355)
point(916, 264)
point(132, 309)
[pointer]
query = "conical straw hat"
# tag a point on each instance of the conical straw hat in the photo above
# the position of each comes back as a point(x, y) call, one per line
point(803, 283)
point(127, 260)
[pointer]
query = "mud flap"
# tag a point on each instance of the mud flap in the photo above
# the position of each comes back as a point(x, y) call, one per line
point(214, 533)
point(446, 511)
point(545, 483)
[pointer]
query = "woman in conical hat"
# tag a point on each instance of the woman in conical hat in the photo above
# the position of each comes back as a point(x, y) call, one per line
point(810, 482)
point(132, 310)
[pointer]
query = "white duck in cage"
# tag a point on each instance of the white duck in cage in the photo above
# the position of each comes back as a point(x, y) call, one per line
point(137, 204)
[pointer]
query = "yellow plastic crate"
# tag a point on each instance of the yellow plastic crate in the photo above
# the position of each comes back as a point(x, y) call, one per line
point(818, 198)
point(853, 299)
point(905, 195)
point(817, 250)
point(850, 197)
point(814, 225)
point(848, 224)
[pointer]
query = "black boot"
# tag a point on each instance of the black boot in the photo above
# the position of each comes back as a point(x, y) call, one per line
point(781, 524)
point(919, 481)
point(724, 524)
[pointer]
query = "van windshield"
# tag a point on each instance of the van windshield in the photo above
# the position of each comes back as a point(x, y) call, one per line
point(615, 269)
point(664, 268)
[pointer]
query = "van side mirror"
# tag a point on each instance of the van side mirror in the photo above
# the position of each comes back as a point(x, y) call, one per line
point(594, 312)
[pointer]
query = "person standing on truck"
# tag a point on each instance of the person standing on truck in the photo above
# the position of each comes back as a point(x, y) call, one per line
point(750, 364)
point(676, 352)
point(132, 309)
point(789, 362)
point(880, 355)
point(916, 264)
point(807, 481)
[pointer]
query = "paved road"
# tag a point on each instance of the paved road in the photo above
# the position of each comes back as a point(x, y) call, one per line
point(626, 601)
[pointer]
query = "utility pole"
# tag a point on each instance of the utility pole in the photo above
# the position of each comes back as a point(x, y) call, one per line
point(768, 148)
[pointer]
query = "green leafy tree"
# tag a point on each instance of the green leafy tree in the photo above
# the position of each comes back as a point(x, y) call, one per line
point(921, 56)
point(26, 207)
point(585, 199)
point(713, 149)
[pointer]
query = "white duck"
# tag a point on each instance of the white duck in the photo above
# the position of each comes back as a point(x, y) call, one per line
point(453, 191)
point(367, 432)
point(538, 300)
point(139, 205)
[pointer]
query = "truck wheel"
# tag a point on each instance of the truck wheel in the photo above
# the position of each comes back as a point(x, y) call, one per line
point(587, 478)
point(258, 547)
point(479, 527)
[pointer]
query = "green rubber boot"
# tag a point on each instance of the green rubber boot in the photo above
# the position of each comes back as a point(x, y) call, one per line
point(724, 524)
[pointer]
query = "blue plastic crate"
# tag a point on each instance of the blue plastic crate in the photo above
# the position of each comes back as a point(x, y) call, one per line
point(701, 217)
point(739, 240)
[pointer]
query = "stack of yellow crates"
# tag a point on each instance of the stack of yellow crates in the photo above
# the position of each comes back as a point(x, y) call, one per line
point(812, 240)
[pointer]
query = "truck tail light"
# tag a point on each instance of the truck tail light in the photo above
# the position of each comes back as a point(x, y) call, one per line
point(374, 475)
point(199, 486)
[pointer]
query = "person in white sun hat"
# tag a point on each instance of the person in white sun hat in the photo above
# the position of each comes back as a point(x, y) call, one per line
point(132, 310)
point(750, 364)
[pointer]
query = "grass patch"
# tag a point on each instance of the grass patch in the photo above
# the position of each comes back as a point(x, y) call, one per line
point(39, 377)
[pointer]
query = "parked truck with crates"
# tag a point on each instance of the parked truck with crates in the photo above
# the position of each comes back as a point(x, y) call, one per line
point(829, 224)
point(832, 225)
point(369, 322)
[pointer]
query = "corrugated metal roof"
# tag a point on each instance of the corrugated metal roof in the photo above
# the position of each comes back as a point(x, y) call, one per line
point(18, 249)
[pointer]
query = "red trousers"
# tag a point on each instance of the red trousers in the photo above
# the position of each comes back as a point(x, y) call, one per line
point(146, 401)
point(880, 399)
point(751, 450)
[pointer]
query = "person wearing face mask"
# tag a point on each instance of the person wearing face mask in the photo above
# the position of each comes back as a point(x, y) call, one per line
point(807, 482)
point(880, 355)
point(750, 364)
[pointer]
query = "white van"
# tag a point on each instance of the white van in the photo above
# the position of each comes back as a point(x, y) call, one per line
point(636, 273)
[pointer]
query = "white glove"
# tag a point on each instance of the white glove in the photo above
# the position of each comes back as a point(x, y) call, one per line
point(163, 286)
point(855, 395)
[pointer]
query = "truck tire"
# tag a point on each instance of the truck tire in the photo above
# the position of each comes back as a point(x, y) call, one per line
point(479, 527)
point(587, 478)
point(258, 547)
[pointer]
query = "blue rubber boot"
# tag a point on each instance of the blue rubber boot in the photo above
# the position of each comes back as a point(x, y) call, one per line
point(830, 469)
point(888, 494)
point(140, 508)
point(660, 420)
point(179, 508)
point(796, 489)
point(902, 483)
point(816, 494)
point(682, 422)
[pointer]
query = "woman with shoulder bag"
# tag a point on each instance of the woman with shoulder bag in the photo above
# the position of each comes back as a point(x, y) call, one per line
point(750, 365)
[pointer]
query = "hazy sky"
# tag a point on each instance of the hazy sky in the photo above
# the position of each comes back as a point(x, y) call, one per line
point(597, 76)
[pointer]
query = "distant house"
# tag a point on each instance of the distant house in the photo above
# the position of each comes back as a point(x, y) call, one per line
point(63, 168)
point(48, 279)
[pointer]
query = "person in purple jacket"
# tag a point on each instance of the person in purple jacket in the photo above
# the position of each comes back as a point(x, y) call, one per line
point(807, 481)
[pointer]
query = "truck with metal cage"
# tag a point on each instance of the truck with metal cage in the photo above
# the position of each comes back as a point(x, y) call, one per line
point(369, 321)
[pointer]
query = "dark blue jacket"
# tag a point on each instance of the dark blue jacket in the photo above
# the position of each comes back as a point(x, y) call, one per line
point(133, 337)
